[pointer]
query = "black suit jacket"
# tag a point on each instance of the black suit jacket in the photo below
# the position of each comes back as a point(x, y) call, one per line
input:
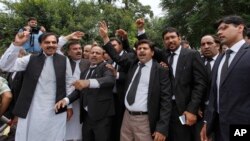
point(190, 83)
point(159, 95)
point(205, 99)
point(234, 94)
point(100, 100)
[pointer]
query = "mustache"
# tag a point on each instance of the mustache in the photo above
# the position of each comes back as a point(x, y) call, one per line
point(141, 53)
point(78, 53)
point(50, 47)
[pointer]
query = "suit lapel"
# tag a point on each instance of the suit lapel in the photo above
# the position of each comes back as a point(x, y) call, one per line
point(84, 63)
point(215, 73)
point(237, 57)
point(131, 73)
point(151, 79)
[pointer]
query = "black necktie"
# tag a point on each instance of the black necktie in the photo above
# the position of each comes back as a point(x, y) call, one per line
point(170, 62)
point(225, 66)
point(90, 72)
point(171, 59)
point(134, 85)
point(208, 66)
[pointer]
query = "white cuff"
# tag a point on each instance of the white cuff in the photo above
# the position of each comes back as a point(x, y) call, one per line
point(93, 83)
point(67, 100)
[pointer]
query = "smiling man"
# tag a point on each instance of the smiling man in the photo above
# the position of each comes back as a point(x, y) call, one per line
point(47, 79)
point(96, 98)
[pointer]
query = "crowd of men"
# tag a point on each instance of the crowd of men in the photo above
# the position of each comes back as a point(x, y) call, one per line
point(58, 90)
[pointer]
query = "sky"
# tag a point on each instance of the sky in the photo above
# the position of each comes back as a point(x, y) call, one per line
point(153, 3)
point(155, 6)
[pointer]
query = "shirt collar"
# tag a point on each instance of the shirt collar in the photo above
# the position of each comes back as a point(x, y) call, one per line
point(121, 53)
point(149, 63)
point(47, 55)
point(178, 51)
point(215, 57)
point(236, 47)
point(77, 61)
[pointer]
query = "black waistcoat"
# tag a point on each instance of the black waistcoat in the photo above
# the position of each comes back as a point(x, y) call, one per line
point(31, 76)
point(84, 64)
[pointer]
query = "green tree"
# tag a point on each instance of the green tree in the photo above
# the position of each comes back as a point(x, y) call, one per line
point(65, 16)
point(194, 18)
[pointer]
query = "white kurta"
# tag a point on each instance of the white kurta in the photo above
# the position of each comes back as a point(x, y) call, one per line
point(73, 126)
point(41, 123)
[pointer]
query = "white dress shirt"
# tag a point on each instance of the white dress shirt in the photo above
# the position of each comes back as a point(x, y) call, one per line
point(212, 61)
point(141, 97)
point(235, 48)
point(175, 61)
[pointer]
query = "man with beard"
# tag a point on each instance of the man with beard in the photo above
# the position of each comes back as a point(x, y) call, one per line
point(188, 81)
point(210, 45)
point(73, 51)
point(96, 98)
point(46, 80)
point(78, 65)
point(32, 44)
point(229, 98)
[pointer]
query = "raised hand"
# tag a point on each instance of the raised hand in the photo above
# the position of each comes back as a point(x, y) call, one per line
point(122, 33)
point(77, 35)
point(42, 29)
point(21, 38)
point(103, 31)
point(112, 69)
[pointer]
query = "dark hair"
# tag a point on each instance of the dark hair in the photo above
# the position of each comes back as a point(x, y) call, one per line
point(70, 43)
point(43, 36)
point(144, 41)
point(116, 39)
point(215, 38)
point(32, 19)
point(170, 29)
point(232, 19)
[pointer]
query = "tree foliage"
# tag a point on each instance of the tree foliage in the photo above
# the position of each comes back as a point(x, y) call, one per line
point(194, 18)
point(65, 16)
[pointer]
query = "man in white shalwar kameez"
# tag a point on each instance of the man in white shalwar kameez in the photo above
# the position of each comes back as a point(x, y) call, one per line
point(74, 53)
point(41, 122)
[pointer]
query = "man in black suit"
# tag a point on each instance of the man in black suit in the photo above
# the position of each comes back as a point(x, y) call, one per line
point(189, 84)
point(118, 90)
point(96, 99)
point(147, 98)
point(210, 45)
point(188, 81)
point(229, 96)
